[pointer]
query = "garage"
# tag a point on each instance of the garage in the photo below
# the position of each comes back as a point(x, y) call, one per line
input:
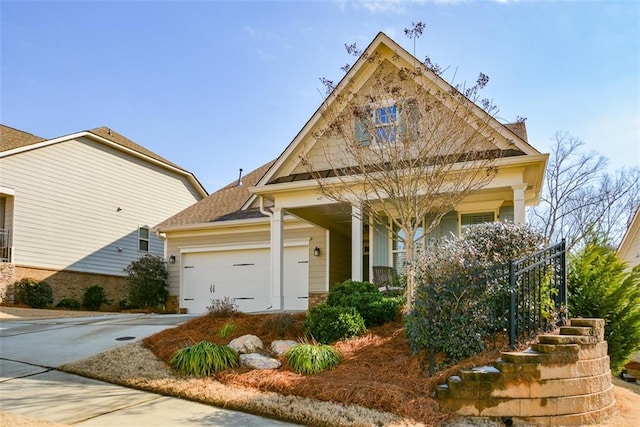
point(243, 274)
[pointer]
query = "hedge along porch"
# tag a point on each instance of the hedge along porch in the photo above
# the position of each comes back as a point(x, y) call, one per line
point(281, 203)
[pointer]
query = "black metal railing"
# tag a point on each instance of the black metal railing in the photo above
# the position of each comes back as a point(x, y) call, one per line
point(5, 245)
point(530, 294)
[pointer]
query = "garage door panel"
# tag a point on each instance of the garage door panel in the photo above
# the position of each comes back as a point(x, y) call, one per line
point(245, 276)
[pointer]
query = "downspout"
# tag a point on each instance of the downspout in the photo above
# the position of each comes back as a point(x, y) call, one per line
point(263, 210)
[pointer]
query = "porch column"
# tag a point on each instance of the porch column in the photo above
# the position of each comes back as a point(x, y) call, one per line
point(277, 283)
point(518, 203)
point(356, 244)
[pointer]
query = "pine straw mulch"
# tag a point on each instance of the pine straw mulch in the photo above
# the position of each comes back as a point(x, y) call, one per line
point(378, 369)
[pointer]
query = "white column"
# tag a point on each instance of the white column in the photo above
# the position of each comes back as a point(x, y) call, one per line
point(277, 282)
point(356, 244)
point(518, 203)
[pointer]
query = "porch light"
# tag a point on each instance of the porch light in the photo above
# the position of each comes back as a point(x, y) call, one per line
point(316, 251)
point(172, 259)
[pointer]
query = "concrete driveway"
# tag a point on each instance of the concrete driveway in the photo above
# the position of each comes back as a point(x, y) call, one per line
point(32, 349)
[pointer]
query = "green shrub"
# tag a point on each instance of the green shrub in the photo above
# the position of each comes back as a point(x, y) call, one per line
point(94, 297)
point(279, 324)
point(225, 307)
point(69, 303)
point(33, 293)
point(227, 329)
point(309, 359)
point(374, 307)
point(599, 286)
point(452, 314)
point(147, 282)
point(327, 324)
point(204, 358)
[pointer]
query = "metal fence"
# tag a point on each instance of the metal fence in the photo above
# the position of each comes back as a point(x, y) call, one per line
point(529, 294)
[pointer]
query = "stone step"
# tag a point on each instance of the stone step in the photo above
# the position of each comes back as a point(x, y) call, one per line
point(531, 356)
point(555, 348)
point(567, 339)
point(480, 373)
point(517, 388)
point(593, 323)
point(576, 330)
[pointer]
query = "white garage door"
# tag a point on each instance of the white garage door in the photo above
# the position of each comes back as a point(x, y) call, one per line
point(245, 276)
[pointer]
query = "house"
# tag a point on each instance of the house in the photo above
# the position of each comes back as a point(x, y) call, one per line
point(273, 241)
point(77, 209)
point(629, 249)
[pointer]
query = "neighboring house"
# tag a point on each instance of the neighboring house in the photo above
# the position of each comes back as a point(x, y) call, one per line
point(271, 241)
point(77, 209)
point(629, 249)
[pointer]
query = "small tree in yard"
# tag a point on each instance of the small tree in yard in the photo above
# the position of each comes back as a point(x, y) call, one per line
point(599, 286)
point(411, 161)
point(147, 282)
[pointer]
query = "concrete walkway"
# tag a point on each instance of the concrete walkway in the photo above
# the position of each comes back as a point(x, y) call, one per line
point(30, 384)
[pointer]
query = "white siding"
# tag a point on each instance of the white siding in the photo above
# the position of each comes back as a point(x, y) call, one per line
point(67, 197)
point(254, 234)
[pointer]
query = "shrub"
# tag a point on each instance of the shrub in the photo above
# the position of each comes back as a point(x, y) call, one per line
point(453, 314)
point(94, 297)
point(327, 324)
point(69, 303)
point(225, 307)
point(280, 324)
point(33, 293)
point(309, 359)
point(227, 329)
point(374, 307)
point(599, 286)
point(204, 358)
point(147, 282)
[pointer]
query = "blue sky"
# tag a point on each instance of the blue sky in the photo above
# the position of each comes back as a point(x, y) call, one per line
point(217, 86)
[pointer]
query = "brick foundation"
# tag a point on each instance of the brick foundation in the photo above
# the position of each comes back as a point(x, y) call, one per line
point(317, 298)
point(71, 284)
point(7, 277)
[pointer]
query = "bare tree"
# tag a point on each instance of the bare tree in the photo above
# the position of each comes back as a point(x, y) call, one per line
point(405, 147)
point(580, 197)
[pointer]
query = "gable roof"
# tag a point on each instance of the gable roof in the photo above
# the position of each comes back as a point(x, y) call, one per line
point(13, 141)
point(223, 205)
point(515, 132)
point(11, 138)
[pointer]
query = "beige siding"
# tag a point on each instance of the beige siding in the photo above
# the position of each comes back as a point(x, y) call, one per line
point(249, 234)
point(631, 254)
point(340, 258)
point(67, 197)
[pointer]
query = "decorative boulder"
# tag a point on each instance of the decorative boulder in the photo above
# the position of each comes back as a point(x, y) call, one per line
point(258, 361)
point(279, 347)
point(246, 344)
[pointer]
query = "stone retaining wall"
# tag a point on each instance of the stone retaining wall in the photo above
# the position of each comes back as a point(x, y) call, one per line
point(561, 380)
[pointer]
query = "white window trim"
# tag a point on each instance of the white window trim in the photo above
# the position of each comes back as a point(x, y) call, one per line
point(496, 216)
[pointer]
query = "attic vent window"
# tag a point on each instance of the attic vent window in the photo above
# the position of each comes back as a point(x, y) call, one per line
point(387, 123)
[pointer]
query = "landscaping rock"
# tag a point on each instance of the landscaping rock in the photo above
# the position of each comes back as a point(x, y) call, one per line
point(246, 344)
point(279, 347)
point(258, 361)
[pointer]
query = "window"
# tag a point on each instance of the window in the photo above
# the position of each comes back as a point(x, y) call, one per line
point(385, 120)
point(399, 251)
point(468, 219)
point(143, 239)
point(387, 123)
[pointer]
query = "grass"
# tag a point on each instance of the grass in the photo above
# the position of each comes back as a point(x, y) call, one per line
point(204, 359)
point(309, 359)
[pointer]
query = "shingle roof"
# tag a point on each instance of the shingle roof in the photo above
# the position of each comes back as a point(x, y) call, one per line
point(11, 138)
point(223, 205)
point(122, 140)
